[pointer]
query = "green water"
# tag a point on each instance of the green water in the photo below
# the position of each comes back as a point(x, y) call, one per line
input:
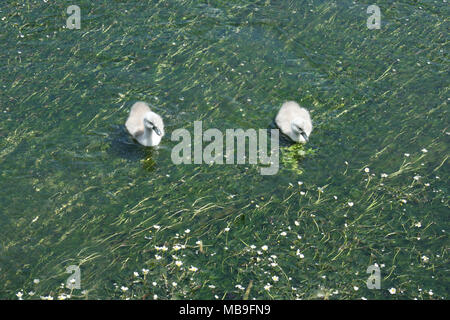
point(76, 190)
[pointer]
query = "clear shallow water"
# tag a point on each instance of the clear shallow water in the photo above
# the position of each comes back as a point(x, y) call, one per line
point(76, 190)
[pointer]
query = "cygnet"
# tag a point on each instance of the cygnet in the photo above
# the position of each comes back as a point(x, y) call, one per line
point(144, 125)
point(294, 121)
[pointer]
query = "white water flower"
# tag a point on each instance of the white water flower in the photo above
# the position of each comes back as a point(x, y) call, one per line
point(392, 291)
point(123, 288)
point(284, 234)
point(157, 257)
point(384, 175)
point(424, 150)
point(407, 154)
point(367, 170)
point(350, 204)
point(193, 269)
point(36, 281)
point(145, 271)
point(187, 231)
point(178, 263)
point(417, 178)
point(267, 287)
point(63, 296)
point(227, 229)
point(19, 295)
point(418, 224)
point(355, 288)
point(264, 248)
point(275, 278)
point(157, 227)
point(425, 258)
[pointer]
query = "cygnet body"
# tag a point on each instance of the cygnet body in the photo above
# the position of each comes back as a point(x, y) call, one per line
point(294, 121)
point(144, 125)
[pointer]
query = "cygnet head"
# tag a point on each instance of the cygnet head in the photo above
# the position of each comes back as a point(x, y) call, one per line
point(154, 123)
point(301, 128)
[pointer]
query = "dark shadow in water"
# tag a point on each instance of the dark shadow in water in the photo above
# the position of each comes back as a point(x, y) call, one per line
point(285, 141)
point(125, 147)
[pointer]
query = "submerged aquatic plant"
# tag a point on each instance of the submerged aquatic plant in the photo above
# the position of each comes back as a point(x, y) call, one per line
point(294, 154)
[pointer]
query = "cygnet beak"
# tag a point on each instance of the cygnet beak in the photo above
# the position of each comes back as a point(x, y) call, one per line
point(304, 135)
point(158, 132)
